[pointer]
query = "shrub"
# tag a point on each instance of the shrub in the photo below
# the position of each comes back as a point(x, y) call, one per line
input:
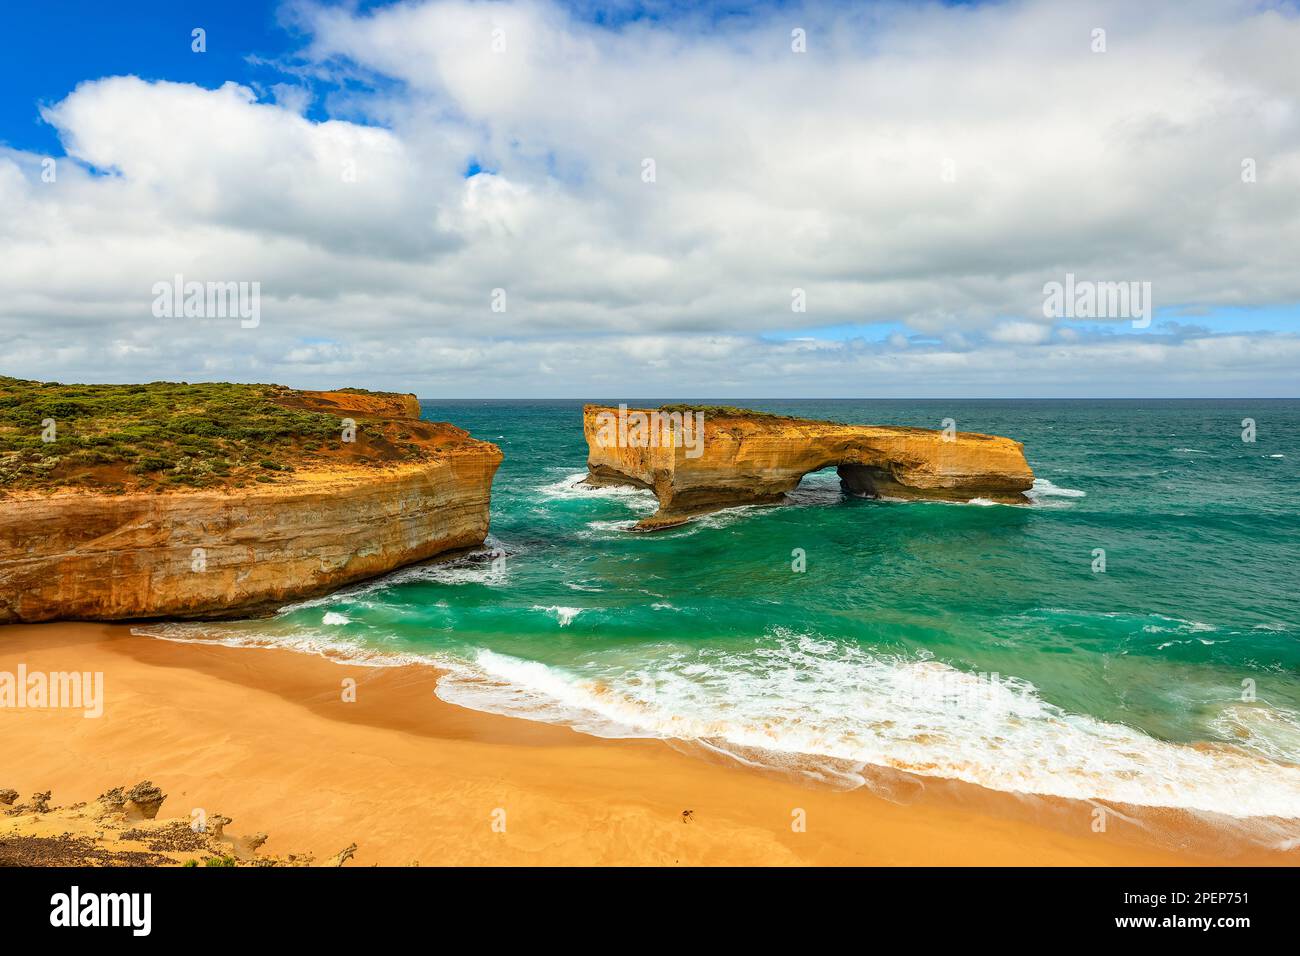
point(162, 434)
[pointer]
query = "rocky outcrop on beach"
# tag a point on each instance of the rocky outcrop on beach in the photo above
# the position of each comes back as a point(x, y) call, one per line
point(121, 828)
point(373, 490)
point(740, 457)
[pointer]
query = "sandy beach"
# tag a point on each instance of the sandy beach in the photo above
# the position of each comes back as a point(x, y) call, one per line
point(266, 738)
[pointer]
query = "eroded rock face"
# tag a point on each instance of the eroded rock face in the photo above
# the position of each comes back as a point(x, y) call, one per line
point(107, 833)
point(146, 798)
point(757, 459)
point(356, 404)
point(193, 553)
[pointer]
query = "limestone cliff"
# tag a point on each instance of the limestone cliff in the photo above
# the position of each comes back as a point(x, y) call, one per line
point(400, 491)
point(752, 458)
point(354, 404)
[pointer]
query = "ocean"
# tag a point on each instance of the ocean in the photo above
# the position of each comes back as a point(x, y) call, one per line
point(1131, 636)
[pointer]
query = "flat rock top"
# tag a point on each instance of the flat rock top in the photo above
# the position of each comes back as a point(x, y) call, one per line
point(182, 437)
point(727, 418)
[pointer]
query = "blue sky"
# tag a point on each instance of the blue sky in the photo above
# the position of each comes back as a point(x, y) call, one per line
point(509, 180)
point(48, 48)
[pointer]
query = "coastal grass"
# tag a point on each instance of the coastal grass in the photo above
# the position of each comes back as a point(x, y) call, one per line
point(733, 411)
point(156, 436)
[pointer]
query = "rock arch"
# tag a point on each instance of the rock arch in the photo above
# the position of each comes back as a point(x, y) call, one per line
point(754, 458)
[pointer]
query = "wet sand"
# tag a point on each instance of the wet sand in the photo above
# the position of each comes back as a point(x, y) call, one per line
point(266, 738)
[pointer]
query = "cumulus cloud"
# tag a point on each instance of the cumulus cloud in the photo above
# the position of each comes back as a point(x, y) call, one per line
point(1020, 333)
point(929, 167)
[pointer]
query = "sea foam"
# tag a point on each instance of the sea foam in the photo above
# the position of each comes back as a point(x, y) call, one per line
point(565, 615)
point(819, 704)
point(1044, 488)
point(571, 488)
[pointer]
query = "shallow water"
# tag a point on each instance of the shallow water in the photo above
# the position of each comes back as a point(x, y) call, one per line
point(959, 640)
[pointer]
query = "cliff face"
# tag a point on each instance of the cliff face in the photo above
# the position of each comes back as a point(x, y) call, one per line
point(405, 491)
point(755, 459)
point(355, 404)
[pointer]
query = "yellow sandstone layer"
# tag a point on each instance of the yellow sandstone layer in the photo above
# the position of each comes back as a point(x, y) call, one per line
point(219, 552)
point(752, 458)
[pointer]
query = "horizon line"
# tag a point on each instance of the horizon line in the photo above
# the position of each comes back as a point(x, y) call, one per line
point(882, 398)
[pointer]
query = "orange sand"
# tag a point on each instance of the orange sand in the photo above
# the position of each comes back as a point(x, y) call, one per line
point(265, 738)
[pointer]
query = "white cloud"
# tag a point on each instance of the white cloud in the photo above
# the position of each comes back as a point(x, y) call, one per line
point(1020, 333)
point(775, 170)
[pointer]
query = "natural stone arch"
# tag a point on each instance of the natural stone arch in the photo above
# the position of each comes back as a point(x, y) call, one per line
point(754, 458)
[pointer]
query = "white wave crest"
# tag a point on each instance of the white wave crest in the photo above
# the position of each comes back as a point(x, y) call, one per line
point(571, 488)
point(1044, 488)
point(564, 615)
point(827, 701)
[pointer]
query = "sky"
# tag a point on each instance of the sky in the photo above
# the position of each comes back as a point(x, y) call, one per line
point(529, 198)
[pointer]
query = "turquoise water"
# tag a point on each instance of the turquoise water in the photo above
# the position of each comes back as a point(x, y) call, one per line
point(958, 640)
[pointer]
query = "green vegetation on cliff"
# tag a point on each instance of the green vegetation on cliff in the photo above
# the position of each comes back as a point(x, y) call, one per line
point(732, 411)
point(166, 434)
point(729, 411)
